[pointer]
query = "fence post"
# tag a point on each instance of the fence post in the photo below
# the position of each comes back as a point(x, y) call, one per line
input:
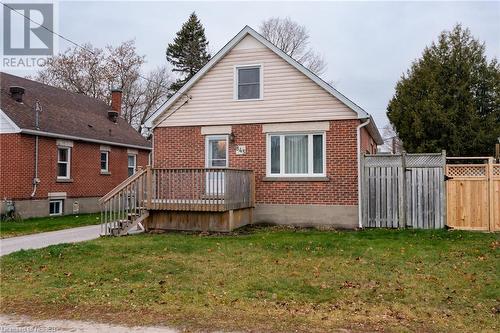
point(491, 195)
point(363, 201)
point(403, 202)
point(252, 186)
point(444, 193)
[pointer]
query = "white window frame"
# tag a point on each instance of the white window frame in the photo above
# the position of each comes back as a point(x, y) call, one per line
point(107, 161)
point(135, 164)
point(261, 82)
point(61, 203)
point(207, 149)
point(68, 163)
point(310, 159)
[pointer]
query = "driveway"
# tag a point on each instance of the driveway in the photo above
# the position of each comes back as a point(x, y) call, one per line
point(45, 239)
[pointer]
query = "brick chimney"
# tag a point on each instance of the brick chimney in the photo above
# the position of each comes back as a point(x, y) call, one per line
point(116, 100)
point(116, 105)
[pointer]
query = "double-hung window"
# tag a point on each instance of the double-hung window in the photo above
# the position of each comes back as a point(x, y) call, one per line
point(248, 82)
point(296, 155)
point(104, 161)
point(63, 162)
point(131, 164)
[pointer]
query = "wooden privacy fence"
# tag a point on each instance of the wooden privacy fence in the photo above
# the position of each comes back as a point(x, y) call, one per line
point(473, 195)
point(405, 190)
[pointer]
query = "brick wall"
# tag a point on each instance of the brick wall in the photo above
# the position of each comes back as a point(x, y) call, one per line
point(368, 145)
point(17, 168)
point(184, 147)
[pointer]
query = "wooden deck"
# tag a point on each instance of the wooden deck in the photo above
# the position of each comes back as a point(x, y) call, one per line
point(180, 199)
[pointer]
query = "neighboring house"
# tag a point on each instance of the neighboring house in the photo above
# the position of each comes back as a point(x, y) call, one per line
point(254, 107)
point(79, 150)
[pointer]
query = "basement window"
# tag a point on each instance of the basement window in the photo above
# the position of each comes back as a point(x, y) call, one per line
point(55, 207)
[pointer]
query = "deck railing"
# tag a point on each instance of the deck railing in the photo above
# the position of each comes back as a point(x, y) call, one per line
point(125, 205)
point(201, 189)
point(213, 190)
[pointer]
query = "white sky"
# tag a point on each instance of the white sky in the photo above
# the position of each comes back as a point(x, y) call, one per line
point(367, 45)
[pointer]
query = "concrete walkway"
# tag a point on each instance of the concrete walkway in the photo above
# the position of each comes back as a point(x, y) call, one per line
point(10, 323)
point(36, 241)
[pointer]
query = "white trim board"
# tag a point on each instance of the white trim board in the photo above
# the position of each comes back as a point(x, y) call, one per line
point(210, 130)
point(161, 114)
point(296, 127)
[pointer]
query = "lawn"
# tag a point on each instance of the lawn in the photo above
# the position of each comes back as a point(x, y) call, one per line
point(42, 224)
point(266, 279)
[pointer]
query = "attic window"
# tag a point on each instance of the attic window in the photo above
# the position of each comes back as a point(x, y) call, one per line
point(249, 82)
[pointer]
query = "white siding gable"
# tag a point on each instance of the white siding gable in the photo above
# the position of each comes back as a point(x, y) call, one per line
point(288, 94)
point(7, 125)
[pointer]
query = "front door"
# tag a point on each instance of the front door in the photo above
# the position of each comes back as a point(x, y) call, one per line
point(216, 151)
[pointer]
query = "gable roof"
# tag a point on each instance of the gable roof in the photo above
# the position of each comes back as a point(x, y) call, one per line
point(65, 114)
point(161, 114)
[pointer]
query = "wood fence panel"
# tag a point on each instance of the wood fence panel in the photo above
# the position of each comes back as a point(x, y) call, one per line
point(403, 191)
point(473, 195)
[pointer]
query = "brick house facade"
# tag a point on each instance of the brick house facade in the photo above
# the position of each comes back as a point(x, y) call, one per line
point(188, 145)
point(86, 182)
point(300, 137)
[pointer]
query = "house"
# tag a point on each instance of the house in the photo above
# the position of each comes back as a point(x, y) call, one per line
point(256, 137)
point(61, 151)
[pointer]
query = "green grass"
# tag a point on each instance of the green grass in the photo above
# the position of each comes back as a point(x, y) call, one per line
point(266, 279)
point(42, 224)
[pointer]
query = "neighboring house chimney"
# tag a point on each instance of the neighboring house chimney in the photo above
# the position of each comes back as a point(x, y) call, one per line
point(116, 104)
point(17, 93)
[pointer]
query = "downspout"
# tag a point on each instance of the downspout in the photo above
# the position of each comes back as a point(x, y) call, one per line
point(36, 180)
point(358, 143)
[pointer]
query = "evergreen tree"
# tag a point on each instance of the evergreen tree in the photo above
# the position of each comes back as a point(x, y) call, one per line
point(449, 98)
point(189, 51)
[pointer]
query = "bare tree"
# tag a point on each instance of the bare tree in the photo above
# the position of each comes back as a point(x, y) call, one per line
point(392, 142)
point(94, 72)
point(293, 39)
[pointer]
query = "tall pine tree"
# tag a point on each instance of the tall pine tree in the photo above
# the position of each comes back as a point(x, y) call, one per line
point(189, 51)
point(449, 98)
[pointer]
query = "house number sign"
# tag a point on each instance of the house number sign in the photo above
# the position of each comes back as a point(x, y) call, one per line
point(241, 150)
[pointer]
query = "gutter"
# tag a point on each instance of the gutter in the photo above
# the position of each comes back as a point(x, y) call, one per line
point(77, 138)
point(358, 144)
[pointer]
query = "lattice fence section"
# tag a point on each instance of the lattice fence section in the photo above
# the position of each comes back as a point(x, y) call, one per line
point(424, 160)
point(466, 170)
point(496, 170)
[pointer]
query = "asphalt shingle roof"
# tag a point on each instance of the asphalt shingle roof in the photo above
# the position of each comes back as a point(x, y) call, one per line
point(65, 113)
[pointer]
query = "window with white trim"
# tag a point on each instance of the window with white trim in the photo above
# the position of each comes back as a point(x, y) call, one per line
point(55, 207)
point(248, 82)
point(296, 155)
point(104, 161)
point(63, 162)
point(131, 164)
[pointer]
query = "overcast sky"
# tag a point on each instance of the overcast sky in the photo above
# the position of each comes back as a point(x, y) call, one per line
point(367, 45)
